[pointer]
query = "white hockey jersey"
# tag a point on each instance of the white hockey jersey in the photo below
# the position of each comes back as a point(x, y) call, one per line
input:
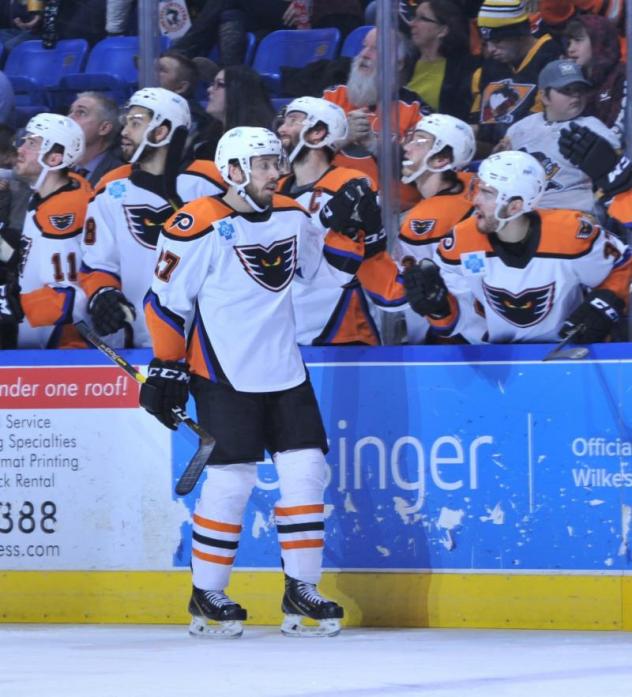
point(566, 185)
point(223, 281)
point(121, 232)
point(326, 312)
point(50, 256)
point(501, 296)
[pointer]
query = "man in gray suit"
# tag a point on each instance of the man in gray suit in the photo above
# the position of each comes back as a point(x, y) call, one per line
point(98, 117)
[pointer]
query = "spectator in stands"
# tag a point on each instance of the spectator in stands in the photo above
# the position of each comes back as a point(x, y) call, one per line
point(443, 73)
point(564, 93)
point(236, 97)
point(20, 20)
point(222, 23)
point(344, 15)
point(505, 86)
point(48, 299)
point(7, 101)
point(513, 273)
point(97, 115)
point(557, 12)
point(182, 75)
point(73, 18)
point(359, 97)
point(593, 43)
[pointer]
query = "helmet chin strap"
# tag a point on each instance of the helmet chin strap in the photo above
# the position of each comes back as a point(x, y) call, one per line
point(502, 222)
point(40, 179)
point(241, 191)
point(423, 168)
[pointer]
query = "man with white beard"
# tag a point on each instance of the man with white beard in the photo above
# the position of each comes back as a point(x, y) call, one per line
point(358, 99)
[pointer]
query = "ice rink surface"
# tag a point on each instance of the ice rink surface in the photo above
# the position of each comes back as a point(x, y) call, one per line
point(156, 661)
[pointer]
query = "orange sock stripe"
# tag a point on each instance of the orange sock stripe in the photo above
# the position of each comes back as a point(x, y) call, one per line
point(298, 510)
point(216, 525)
point(227, 561)
point(302, 544)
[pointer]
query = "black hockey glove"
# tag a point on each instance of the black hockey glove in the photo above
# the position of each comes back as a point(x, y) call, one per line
point(592, 153)
point(425, 290)
point(166, 389)
point(370, 215)
point(340, 212)
point(10, 306)
point(110, 311)
point(596, 317)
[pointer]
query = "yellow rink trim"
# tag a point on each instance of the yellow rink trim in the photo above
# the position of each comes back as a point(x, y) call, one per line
point(369, 599)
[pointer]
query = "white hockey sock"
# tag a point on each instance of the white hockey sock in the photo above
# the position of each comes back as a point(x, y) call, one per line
point(300, 512)
point(217, 523)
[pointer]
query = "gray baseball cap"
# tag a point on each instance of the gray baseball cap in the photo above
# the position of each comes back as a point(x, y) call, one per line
point(561, 73)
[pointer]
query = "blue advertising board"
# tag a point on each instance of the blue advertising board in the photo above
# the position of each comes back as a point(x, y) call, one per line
point(464, 458)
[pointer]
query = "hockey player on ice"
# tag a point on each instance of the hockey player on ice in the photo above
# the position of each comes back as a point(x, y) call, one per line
point(222, 324)
point(131, 204)
point(48, 299)
point(338, 198)
point(513, 273)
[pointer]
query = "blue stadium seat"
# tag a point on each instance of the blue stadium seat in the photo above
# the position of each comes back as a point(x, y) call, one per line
point(251, 44)
point(293, 48)
point(111, 68)
point(352, 45)
point(34, 70)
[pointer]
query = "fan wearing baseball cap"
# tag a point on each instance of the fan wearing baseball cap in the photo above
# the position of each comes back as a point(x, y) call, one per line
point(505, 86)
point(564, 91)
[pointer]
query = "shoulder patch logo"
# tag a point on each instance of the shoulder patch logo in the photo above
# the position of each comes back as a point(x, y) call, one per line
point(524, 309)
point(226, 230)
point(272, 267)
point(145, 222)
point(474, 263)
point(183, 221)
point(116, 189)
point(586, 228)
point(422, 227)
point(62, 222)
point(448, 241)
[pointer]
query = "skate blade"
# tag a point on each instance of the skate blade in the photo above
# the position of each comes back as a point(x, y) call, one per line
point(293, 627)
point(199, 627)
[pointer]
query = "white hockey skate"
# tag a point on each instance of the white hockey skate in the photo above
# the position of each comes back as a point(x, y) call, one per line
point(215, 615)
point(302, 600)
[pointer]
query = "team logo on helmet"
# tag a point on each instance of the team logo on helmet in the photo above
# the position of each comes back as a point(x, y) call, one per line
point(272, 267)
point(422, 227)
point(62, 222)
point(525, 309)
point(145, 223)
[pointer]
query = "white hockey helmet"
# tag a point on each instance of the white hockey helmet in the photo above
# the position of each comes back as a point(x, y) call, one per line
point(242, 144)
point(56, 130)
point(318, 110)
point(513, 174)
point(447, 130)
point(164, 105)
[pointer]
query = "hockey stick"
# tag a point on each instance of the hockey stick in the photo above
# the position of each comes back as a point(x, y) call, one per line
point(561, 353)
point(194, 469)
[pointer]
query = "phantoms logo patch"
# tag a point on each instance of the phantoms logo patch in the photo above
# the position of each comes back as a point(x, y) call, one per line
point(272, 267)
point(62, 222)
point(145, 222)
point(522, 310)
